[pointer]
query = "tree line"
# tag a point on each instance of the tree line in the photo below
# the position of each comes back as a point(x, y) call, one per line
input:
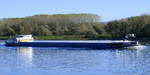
point(74, 24)
point(59, 24)
point(138, 25)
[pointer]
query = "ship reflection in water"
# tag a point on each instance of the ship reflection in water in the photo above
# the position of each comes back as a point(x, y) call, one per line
point(25, 55)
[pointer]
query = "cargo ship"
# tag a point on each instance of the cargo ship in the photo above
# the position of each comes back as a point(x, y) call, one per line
point(28, 40)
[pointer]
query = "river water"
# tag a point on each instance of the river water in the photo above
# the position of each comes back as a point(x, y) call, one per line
point(74, 61)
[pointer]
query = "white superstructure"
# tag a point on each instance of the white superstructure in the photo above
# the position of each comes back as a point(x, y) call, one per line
point(24, 38)
point(21, 38)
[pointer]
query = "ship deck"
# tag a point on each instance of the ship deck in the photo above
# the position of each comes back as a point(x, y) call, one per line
point(83, 41)
point(98, 44)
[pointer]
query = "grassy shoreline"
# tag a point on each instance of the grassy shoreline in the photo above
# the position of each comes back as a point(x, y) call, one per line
point(65, 37)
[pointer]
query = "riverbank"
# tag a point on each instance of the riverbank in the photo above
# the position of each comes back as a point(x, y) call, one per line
point(145, 40)
point(65, 37)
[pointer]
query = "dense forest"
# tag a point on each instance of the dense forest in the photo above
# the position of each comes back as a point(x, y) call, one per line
point(60, 24)
point(88, 25)
point(138, 25)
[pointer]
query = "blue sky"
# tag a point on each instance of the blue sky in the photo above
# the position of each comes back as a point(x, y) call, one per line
point(107, 9)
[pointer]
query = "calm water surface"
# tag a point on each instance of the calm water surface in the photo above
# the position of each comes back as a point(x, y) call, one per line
point(71, 61)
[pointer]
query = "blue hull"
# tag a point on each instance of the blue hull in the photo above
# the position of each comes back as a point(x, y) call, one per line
point(94, 45)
